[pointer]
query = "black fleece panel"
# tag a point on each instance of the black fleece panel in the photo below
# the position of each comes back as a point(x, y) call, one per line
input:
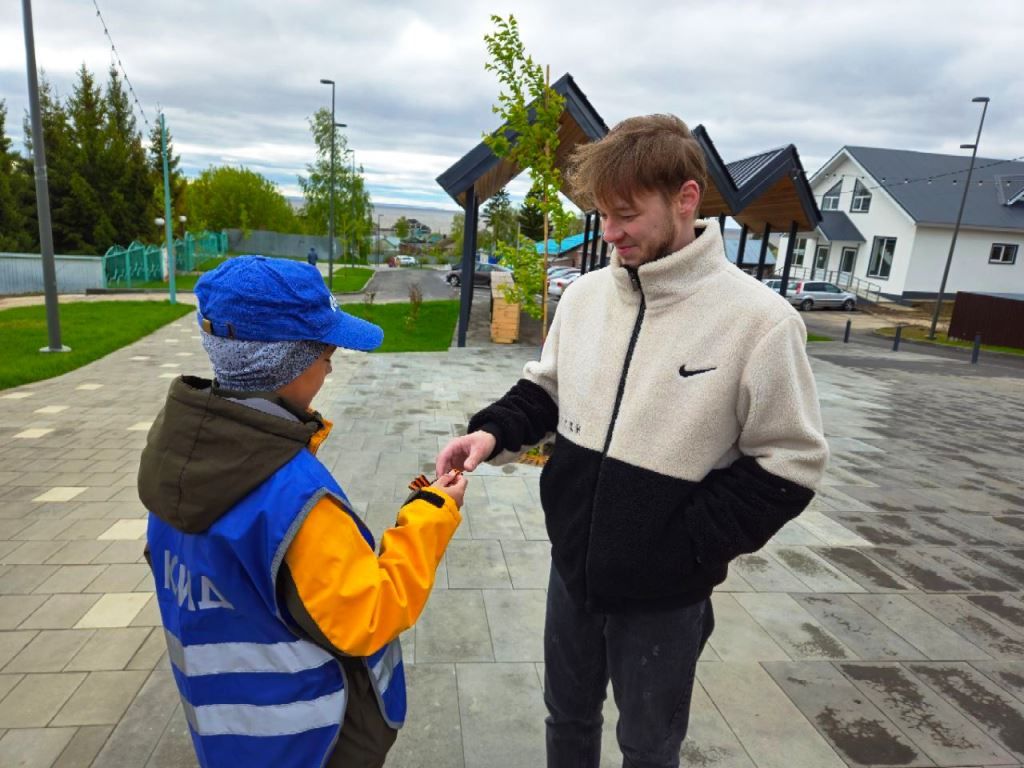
point(523, 415)
point(736, 510)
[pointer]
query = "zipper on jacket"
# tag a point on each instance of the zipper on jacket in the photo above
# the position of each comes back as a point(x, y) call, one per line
point(635, 279)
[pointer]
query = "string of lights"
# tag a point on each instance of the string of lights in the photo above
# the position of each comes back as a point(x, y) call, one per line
point(886, 184)
point(117, 58)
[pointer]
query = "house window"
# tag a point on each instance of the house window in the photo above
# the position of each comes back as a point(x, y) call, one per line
point(881, 257)
point(1003, 253)
point(798, 252)
point(830, 202)
point(861, 198)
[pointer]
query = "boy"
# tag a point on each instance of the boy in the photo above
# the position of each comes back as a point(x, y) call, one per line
point(281, 621)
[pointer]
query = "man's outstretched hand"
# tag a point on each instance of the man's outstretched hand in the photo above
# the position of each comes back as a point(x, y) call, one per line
point(466, 452)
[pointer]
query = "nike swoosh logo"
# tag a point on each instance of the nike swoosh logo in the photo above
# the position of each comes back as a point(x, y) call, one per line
point(684, 373)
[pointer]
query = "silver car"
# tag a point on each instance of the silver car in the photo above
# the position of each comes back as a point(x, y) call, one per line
point(811, 294)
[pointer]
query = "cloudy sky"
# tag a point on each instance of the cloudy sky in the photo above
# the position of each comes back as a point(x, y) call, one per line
point(239, 80)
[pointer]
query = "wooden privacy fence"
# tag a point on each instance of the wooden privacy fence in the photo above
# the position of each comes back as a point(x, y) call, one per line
point(998, 317)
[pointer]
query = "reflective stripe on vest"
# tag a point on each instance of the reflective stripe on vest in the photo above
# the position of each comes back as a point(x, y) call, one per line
point(222, 658)
point(268, 720)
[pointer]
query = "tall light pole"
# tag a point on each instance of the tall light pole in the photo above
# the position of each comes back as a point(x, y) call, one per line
point(378, 239)
point(963, 200)
point(350, 213)
point(42, 191)
point(330, 244)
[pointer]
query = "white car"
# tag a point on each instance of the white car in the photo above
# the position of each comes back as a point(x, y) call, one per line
point(557, 285)
point(404, 260)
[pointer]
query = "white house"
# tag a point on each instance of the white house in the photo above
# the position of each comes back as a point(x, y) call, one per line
point(888, 218)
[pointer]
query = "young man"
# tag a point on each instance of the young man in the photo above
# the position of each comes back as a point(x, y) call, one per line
point(688, 432)
point(281, 620)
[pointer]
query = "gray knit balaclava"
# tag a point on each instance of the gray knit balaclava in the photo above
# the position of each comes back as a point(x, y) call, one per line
point(259, 366)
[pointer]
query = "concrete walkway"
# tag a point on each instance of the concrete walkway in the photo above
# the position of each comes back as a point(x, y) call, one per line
point(885, 626)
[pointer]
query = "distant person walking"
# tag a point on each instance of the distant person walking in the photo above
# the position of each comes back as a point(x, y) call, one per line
point(311, 257)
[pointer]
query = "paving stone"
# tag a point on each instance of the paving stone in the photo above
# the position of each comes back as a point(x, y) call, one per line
point(23, 579)
point(999, 563)
point(60, 611)
point(453, 627)
point(981, 628)
point(114, 610)
point(108, 649)
point(516, 620)
point(1009, 675)
point(101, 699)
point(120, 552)
point(7, 682)
point(766, 574)
point(32, 552)
point(529, 563)
point(737, 636)
point(862, 569)
point(11, 644)
point(123, 577)
point(432, 734)
point(34, 701)
point(49, 651)
point(502, 713)
point(793, 628)
point(70, 578)
point(531, 520)
point(919, 570)
point(942, 733)
point(919, 628)
point(33, 747)
point(998, 713)
point(492, 521)
point(151, 652)
point(174, 749)
point(83, 747)
point(855, 728)
point(857, 629)
point(137, 733)
point(476, 565)
point(763, 718)
point(14, 609)
point(813, 570)
point(831, 532)
point(1009, 609)
point(149, 615)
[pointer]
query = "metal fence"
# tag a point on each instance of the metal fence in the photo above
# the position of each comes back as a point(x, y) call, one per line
point(22, 273)
point(140, 263)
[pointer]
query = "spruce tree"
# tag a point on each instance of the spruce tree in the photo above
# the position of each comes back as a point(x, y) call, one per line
point(128, 187)
point(16, 234)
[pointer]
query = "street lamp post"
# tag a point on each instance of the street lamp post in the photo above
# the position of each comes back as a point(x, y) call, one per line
point(378, 239)
point(330, 244)
point(963, 200)
point(350, 224)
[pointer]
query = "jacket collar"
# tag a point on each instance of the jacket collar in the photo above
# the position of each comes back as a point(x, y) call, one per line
point(676, 276)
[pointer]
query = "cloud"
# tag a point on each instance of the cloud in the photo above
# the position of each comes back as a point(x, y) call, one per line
point(239, 80)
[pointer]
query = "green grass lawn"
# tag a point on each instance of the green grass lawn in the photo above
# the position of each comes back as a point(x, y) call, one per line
point(432, 331)
point(351, 279)
point(919, 333)
point(817, 337)
point(91, 329)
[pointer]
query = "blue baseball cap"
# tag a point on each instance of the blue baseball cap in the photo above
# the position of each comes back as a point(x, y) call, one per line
point(254, 298)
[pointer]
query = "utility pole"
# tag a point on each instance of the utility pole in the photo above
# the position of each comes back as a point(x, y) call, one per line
point(42, 191)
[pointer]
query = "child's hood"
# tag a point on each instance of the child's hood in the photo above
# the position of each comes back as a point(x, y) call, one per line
point(204, 453)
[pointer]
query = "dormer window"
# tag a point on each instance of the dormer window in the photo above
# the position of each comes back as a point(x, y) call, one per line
point(861, 198)
point(830, 202)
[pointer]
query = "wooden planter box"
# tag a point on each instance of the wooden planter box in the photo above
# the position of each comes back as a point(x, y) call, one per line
point(504, 314)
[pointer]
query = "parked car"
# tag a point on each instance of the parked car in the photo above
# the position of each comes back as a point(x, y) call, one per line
point(557, 286)
point(808, 294)
point(562, 272)
point(404, 260)
point(481, 274)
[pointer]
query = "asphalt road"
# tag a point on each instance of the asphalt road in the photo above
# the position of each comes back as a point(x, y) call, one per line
point(393, 284)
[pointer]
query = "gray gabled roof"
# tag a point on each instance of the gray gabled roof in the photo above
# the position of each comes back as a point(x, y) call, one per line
point(1011, 188)
point(905, 174)
point(837, 227)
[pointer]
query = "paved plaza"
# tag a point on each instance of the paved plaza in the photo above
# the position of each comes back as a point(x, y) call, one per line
point(884, 627)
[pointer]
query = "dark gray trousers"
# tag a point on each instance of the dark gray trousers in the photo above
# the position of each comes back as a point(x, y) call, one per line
point(650, 659)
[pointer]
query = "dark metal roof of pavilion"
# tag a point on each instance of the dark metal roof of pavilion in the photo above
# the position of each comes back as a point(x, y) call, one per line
point(769, 188)
point(480, 167)
point(837, 227)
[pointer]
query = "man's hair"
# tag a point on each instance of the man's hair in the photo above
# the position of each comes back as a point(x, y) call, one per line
point(651, 153)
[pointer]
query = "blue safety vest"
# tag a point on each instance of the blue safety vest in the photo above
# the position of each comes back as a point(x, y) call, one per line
point(253, 693)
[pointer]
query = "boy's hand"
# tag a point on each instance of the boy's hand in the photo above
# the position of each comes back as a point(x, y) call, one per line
point(466, 452)
point(454, 484)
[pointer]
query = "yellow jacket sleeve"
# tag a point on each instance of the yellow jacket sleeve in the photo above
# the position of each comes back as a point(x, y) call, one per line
point(359, 600)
